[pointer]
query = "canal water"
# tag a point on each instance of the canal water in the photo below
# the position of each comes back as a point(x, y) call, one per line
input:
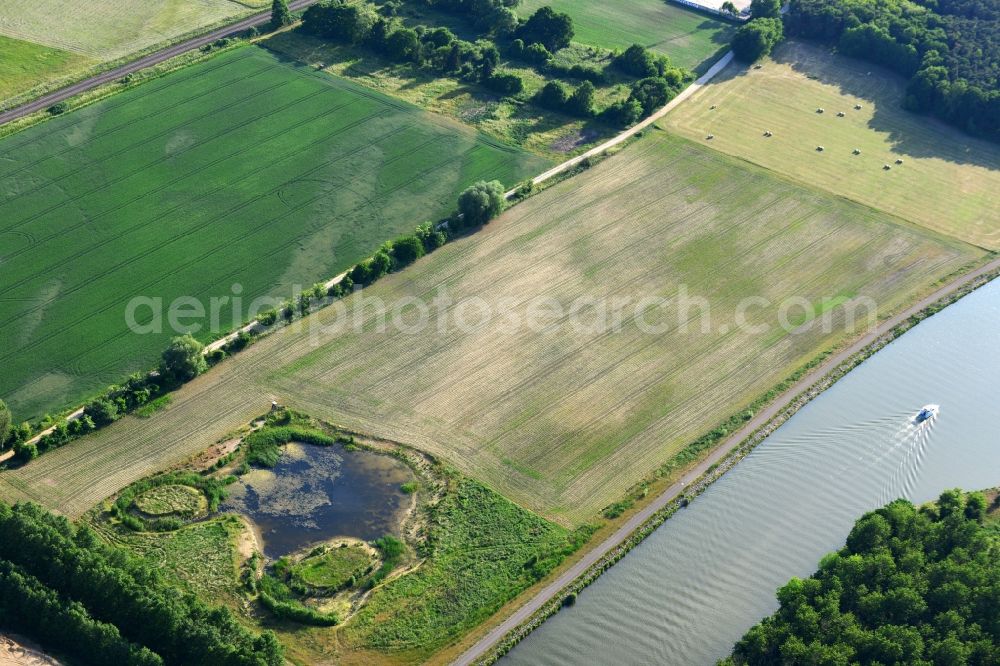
point(694, 586)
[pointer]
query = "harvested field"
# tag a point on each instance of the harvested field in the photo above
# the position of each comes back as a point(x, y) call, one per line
point(108, 29)
point(244, 169)
point(690, 39)
point(67, 38)
point(560, 419)
point(947, 180)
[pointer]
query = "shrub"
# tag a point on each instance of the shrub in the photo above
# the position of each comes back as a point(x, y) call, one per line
point(25, 452)
point(59, 108)
point(268, 317)
point(5, 421)
point(183, 360)
point(552, 96)
point(296, 612)
point(537, 54)
point(622, 113)
point(481, 202)
point(651, 93)
point(581, 102)
point(406, 250)
point(102, 412)
point(506, 83)
point(638, 61)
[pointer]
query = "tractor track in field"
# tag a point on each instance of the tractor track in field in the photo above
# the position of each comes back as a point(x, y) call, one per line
point(45, 101)
point(535, 604)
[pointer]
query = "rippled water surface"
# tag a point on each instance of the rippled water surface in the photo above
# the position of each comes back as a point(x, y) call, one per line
point(690, 590)
point(316, 493)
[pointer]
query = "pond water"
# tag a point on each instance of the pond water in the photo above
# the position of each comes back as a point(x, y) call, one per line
point(316, 493)
point(694, 587)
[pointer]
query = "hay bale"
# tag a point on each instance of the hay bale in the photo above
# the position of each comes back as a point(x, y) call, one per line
point(841, 114)
point(886, 167)
point(820, 149)
point(820, 110)
point(712, 108)
point(856, 151)
point(710, 137)
point(857, 107)
point(899, 161)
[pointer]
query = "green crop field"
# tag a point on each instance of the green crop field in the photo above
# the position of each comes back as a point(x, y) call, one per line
point(78, 35)
point(560, 419)
point(691, 40)
point(245, 169)
point(948, 181)
point(23, 64)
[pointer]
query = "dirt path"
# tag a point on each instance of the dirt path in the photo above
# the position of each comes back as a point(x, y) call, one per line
point(763, 417)
point(632, 131)
point(46, 101)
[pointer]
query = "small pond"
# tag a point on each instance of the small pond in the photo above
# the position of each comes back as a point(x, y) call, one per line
point(316, 493)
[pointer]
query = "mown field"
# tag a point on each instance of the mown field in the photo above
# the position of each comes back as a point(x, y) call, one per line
point(244, 169)
point(561, 420)
point(948, 181)
point(79, 35)
point(690, 39)
point(23, 64)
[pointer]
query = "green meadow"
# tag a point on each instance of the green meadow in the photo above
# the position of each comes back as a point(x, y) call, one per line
point(691, 40)
point(246, 169)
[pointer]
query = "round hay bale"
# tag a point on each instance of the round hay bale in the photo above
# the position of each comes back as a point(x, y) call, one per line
point(710, 137)
point(820, 149)
point(899, 161)
point(856, 151)
point(886, 167)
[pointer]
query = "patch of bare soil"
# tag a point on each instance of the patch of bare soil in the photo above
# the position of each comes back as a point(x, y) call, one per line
point(207, 459)
point(16, 651)
point(574, 140)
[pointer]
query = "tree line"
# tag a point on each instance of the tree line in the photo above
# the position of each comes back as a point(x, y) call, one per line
point(948, 49)
point(62, 586)
point(911, 586)
point(533, 40)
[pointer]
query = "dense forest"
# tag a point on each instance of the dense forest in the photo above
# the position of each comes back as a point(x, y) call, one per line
point(949, 49)
point(912, 586)
point(64, 588)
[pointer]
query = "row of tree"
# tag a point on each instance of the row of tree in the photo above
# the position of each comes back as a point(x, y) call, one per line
point(912, 586)
point(30, 608)
point(180, 362)
point(122, 591)
point(949, 49)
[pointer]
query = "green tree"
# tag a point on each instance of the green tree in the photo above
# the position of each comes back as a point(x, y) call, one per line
point(481, 202)
point(755, 39)
point(5, 421)
point(551, 29)
point(351, 23)
point(581, 102)
point(280, 14)
point(403, 44)
point(729, 8)
point(102, 412)
point(183, 360)
point(406, 250)
point(651, 93)
point(765, 8)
